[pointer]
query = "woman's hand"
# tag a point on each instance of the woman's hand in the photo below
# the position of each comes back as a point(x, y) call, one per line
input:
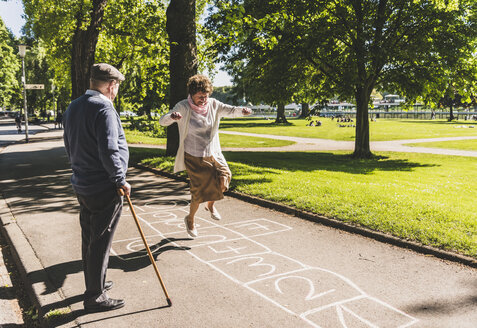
point(246, 111)
point(176, 116)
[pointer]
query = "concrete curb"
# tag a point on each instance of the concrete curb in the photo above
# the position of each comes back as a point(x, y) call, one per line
point(28, 264)
point(334, 223)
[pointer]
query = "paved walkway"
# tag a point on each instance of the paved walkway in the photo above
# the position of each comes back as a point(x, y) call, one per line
point(10, 312)
point(313, 144)
point(9, 134)
point(255, 268)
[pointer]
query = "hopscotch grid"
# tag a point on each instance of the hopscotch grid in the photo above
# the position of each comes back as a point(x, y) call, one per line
point(238, 256)
point(275, 276)
point(214, 225)
point(390, 307)
point(339, 311)
point(363, 320)
point(327, 306)
point(246, 285)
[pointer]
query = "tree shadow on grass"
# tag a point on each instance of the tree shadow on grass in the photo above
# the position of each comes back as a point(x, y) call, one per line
point(312, 161)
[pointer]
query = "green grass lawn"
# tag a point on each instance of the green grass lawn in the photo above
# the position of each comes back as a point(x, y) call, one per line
point(226, 140)
point(457, 144)
point(383, 129)
point(136, 137)
point(421, 197)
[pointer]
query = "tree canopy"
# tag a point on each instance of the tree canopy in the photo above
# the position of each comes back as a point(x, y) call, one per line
point(132, 36)
point(9, 66)
point(346, 48)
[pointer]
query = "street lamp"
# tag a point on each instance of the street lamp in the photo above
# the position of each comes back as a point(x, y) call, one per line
point(55, 113)
point(22, 52)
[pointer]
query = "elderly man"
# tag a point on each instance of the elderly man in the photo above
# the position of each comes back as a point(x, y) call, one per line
point(96, 146)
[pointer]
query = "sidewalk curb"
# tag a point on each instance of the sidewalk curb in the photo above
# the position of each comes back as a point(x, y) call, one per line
point(28, 264)
point(334, 223)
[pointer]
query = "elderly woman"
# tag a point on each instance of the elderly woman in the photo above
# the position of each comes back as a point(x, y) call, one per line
point(199, 153)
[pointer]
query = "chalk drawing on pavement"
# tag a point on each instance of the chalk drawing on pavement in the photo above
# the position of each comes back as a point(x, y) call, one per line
point(318, 296)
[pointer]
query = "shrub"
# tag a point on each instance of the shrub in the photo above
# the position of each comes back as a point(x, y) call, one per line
point(150, 128)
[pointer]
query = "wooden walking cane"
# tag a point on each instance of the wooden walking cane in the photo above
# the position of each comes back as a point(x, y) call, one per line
point(122, 193)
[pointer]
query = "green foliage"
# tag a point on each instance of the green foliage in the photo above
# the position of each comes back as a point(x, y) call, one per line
point(278, 49)
point(37, 71)
point(134, 40)
point(56, 314)
point(150, 128)
point(227, 96)
point(9, 67)
point(51, 23)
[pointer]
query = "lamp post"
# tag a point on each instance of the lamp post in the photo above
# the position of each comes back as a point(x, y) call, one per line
point(55, 113)
point(22, 52)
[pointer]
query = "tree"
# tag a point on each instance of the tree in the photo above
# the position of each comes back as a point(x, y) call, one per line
point(37, 72)
point(456, 84)
point(355, 46)
point(134, 39)
point(88, 26)
point(226, 95)
point(261, 70)
point(9, 66)
point(181, 28)
point(60, 24)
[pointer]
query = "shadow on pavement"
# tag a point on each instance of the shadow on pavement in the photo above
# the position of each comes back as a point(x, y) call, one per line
point(78, 313)
point(129, 262)
point(446, 307)
point(38, 182)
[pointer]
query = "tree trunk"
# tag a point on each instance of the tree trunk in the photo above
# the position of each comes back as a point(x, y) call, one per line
point(181, 29)
point(84, 48)
point(281, 114)
point(451, 112)
point(361, 144)
point(305, 110)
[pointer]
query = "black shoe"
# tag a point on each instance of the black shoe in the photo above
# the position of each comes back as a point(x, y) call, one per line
point(108, 285)
point(108, 305)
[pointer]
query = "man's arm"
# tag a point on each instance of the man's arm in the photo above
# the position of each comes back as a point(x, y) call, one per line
point(65, 141)
point(107, 134)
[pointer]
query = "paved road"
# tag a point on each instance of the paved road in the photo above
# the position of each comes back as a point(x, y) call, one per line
point(9, 134)
point(256, 268)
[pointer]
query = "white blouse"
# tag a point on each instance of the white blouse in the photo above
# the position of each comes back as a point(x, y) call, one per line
point(197, 141)
point(215, 111)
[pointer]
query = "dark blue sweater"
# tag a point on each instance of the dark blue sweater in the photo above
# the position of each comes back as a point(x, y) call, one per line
point(95, 144)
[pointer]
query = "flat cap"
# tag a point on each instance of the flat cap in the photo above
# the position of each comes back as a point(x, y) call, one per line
point(105, 72)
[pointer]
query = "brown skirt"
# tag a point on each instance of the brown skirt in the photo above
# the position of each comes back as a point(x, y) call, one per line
point(204, 174)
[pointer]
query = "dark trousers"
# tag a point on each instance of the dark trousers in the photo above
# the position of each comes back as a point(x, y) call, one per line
point(99, 217)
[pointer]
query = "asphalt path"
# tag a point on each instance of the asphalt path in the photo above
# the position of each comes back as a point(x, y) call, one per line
point(255, 268)
point(10, 135)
